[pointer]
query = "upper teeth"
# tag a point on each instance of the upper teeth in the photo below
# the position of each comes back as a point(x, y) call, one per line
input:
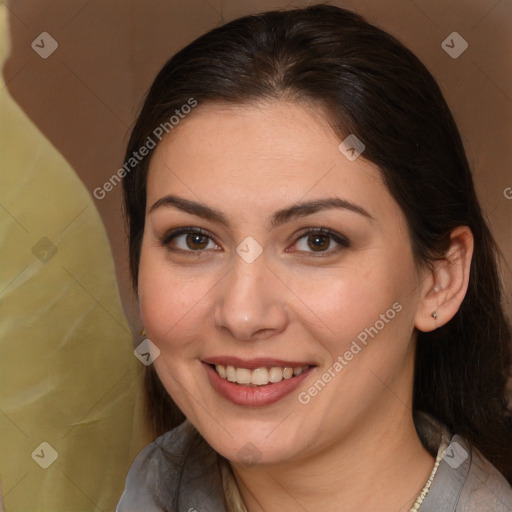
point(258, 376)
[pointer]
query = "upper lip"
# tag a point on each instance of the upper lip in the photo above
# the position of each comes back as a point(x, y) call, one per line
point(259, 362)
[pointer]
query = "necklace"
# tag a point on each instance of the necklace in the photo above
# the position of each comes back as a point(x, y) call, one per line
point(235, 502)
point(422, 495)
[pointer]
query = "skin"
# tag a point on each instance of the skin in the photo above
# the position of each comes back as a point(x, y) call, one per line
point(293, 303)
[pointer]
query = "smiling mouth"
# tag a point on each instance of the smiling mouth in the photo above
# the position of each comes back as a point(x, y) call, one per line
point(259, 376)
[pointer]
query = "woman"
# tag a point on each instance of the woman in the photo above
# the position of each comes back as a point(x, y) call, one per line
point(314, 269)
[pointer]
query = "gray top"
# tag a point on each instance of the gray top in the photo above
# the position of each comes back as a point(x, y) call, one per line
point(180, 472)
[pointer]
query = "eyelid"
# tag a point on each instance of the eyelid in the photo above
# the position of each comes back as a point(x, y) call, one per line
point(340, 239)
point(170, 235)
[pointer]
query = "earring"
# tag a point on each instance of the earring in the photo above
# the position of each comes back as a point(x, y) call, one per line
point(434, 315)
point(143, 332)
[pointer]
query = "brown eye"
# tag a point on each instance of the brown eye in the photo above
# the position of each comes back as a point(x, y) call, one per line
point(196, 241)
point(318, 242)
point(189, 240)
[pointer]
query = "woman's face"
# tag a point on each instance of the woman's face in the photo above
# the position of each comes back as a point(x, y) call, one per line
point(269, 253)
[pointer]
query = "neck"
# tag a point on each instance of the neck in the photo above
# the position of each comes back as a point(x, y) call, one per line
point(380, 465)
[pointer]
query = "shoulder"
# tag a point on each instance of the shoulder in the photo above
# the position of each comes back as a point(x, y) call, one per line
point(485, 488)
point(467, 482)
point(177, 471)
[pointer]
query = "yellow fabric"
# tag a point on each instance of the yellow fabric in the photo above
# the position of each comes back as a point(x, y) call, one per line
point(68, 376)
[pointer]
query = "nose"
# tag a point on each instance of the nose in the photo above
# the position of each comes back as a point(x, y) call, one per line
point(250, 302)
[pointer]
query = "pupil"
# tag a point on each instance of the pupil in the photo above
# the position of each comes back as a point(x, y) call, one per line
point(318, 242)
point(195, 241)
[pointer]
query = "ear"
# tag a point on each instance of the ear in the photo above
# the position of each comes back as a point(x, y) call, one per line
point(445, 284)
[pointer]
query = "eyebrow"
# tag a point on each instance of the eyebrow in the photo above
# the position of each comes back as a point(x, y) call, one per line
point(186, 205)
point(298, 210)
point(308, 208)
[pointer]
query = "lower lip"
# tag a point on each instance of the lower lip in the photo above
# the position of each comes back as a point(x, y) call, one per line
point(254, 396)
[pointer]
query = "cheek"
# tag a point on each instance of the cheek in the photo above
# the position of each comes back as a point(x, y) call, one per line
point(172, 306)
point(344, 301)
point(367, 313)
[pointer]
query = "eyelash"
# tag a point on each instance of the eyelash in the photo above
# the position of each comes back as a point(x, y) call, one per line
point(334, 236)
point(171, 235)
point(341, 240)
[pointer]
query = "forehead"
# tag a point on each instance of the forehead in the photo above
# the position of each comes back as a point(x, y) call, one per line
point(266, 131)
point(261, 154)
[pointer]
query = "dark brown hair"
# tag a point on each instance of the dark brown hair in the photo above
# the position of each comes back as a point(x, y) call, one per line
point(375, 88)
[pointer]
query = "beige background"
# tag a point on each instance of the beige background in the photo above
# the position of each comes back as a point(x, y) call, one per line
point(83, 100)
